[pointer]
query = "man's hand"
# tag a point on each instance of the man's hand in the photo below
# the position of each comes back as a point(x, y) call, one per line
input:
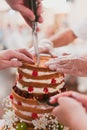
point(26, 12)
point(69, 64)
point(14, 58)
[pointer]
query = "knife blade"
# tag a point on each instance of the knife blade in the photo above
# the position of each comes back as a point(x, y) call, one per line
point(32, 4)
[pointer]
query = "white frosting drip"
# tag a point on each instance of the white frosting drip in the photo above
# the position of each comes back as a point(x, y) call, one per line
point(40, 73)
point(40, 90)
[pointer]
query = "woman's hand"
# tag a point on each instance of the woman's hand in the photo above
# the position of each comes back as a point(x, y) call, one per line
point(69, 64)
point(77, 96)
point(28, 15)
point(71, 113)
point(14, 58)
point(45, 47)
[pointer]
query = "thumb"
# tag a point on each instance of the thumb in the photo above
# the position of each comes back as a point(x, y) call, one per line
point(65, 100)
point(53, 53)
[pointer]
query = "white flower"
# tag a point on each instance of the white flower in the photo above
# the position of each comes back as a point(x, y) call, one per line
point(40, 123)
point(10, 118)
point(7, 102)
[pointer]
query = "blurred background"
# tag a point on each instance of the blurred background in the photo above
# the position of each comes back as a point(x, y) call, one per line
point(58, 15)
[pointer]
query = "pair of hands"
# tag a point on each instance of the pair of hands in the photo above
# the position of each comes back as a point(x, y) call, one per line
point(14, 58)
point(67, 63)
point(72, 109)
point(27, 14)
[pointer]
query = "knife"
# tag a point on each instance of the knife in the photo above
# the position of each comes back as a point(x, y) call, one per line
point(32, 4)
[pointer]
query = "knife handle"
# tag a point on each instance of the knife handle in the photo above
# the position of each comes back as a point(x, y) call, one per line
point(32, 4)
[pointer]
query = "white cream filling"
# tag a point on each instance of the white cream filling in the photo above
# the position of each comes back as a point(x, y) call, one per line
point(41, 106)
point(40, 73)
point(58, 80)
point(40, 90)
point(25, 113)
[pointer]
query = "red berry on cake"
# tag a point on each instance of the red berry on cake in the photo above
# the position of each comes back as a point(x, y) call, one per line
point(19, 103)
point(45, 90)
point(34, 115)
point(11, 97)
point(34, 73)
point(20, 76)
point(30, 89)
point(53, 81)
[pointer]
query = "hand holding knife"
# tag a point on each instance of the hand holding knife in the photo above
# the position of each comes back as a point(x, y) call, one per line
point(32, 4)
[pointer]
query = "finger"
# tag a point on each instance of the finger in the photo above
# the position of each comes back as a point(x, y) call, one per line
point(53, 54)
point(63, 61)
point(52, 67)
point(65, 66)
point(26, 12)
point(65, 71)
point(27, 20)
point(51, 62)
point(12, 63)
point(58, 67)
point(24, 51)
point(40, 19)
point(39, 11)
point(66, 100)
point(54, 99)
point(20, 56)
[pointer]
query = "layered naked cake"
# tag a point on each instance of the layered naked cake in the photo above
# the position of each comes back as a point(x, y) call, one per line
point(30, 109)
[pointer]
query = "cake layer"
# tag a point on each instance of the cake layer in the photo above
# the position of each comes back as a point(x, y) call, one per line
point(40, 73)
point(41, 66)
point(41, 90)
point(25, 109)
point(37, 84)
point(30, 75)
point(39, 96)
point(24, 100)
point(32, 110)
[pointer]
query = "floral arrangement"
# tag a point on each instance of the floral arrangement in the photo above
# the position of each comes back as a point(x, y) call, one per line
point(47, 121)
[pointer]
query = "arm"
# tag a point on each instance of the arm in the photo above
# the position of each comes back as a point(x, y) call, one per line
point(63, 38)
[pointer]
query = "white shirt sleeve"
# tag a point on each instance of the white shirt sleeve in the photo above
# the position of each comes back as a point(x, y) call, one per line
point(81, 30)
